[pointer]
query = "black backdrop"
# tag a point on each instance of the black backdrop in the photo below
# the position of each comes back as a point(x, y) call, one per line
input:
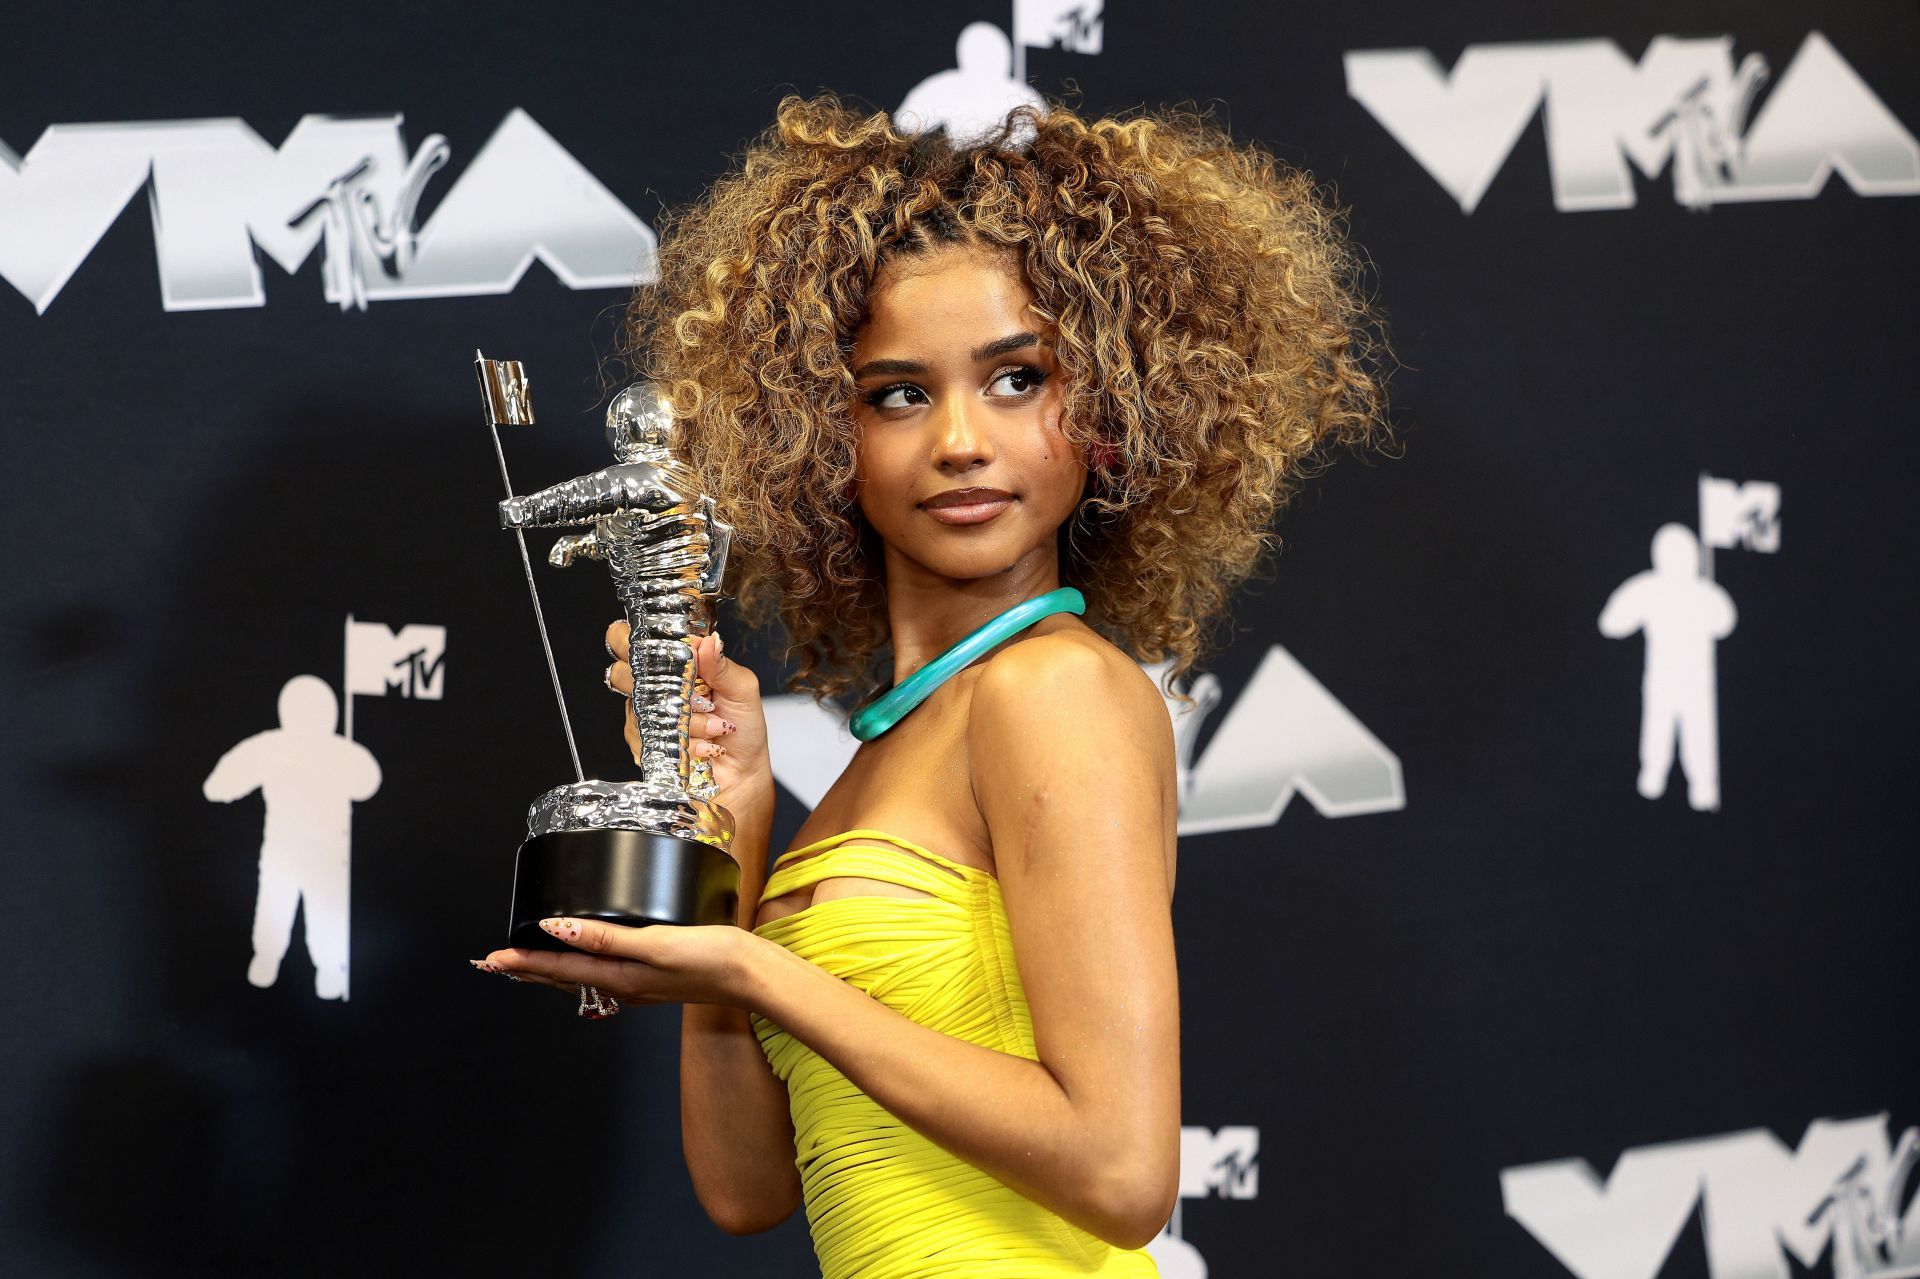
point(1503, 957)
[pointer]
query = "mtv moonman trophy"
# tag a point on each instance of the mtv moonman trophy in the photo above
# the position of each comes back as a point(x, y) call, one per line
point(652, 851)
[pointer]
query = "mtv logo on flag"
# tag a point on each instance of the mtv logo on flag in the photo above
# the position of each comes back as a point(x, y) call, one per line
point(1733, 514)
point(410, 661)
point(1226, 1162)
point(1074, 25)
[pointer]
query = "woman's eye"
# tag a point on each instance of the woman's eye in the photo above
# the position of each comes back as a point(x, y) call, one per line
point(899, 396)
point(1020, 381)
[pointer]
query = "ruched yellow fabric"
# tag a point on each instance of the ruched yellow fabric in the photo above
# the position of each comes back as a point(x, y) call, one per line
point(882, 1201)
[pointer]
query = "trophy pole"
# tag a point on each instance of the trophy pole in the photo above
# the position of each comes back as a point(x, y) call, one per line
point(503, 386)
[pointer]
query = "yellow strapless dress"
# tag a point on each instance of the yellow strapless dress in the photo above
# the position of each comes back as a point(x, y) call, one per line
point(882, 1201)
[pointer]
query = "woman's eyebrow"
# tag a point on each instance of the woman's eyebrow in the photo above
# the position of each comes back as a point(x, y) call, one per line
point(910, 368)
point(1005, 346)
point(914, 368)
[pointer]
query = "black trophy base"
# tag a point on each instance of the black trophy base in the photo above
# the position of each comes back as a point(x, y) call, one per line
point(629, 877)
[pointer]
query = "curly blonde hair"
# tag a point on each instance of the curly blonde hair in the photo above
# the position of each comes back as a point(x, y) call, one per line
point(1206, 312)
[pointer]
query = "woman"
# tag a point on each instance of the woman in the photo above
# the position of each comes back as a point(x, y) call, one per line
point(929, 384)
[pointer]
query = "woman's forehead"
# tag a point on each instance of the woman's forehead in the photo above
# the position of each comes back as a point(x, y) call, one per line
point(951, 288)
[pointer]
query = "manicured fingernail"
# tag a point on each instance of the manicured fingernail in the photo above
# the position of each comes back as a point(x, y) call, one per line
point(564, 929)
point(726, 726)
point(486, 967)
point(702, 703)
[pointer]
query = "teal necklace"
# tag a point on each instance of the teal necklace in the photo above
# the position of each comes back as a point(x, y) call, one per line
point(878, 716)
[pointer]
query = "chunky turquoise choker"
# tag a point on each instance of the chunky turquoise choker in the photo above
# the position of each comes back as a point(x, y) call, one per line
point(877, 717)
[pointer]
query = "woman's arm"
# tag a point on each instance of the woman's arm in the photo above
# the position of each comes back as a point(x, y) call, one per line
point(736, 1130)
point(735, 1126)
point(1080, 806)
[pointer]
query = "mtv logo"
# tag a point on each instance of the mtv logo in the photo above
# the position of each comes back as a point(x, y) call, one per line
point(1226, 1162)
point(410, 661)
point(1739, 515)
point(1073, 25)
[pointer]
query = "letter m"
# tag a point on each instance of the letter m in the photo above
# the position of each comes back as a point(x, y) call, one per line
point(218, 190)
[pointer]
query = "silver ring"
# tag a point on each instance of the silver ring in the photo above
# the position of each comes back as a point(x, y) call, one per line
point(595, 1005)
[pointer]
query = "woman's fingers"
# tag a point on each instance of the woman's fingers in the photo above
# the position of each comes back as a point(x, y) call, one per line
point(617, 636)
point(488, 966)
point(711, 726)
point(619, 678)
point(728, 679)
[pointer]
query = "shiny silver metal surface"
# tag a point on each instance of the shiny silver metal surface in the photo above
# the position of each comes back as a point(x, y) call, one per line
point(646, 520)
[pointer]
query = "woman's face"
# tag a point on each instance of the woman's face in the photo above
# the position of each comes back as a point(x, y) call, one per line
point(957, 389)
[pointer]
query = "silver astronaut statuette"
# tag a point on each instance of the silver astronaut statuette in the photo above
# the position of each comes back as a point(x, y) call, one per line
point(653, 851)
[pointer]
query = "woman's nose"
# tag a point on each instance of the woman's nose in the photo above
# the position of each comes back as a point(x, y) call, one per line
point(961, 443)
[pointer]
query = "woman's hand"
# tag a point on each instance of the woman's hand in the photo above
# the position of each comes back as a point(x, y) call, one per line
point(658, 964)
point(728, 726)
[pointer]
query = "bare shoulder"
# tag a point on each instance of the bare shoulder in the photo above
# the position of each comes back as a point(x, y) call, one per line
point(1078, 686)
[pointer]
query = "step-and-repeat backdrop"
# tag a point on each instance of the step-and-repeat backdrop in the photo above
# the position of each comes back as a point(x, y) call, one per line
point(1548, 878)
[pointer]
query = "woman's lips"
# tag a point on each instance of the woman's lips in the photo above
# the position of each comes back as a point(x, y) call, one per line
point(968, 504)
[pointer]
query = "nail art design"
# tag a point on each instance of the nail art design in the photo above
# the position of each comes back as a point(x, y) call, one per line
point(725, 726)
point(567, 930)
point(702, 703)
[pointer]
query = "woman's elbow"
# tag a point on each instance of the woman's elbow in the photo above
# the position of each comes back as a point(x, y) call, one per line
point(747, 1217)
point(1133, 1205)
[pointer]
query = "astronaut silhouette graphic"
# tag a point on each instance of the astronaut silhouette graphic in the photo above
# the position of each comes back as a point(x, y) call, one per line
point(310, 778)
point(973, 96)
point(1683, 615)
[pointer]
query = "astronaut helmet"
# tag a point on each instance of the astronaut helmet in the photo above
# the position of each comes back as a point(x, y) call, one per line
point(640, 423)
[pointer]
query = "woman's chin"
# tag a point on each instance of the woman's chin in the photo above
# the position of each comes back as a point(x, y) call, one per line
point(976, 564)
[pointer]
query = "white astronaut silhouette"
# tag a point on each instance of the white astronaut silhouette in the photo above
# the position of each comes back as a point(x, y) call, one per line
point(310, 778)
point(974, 97)
point(1682, 615)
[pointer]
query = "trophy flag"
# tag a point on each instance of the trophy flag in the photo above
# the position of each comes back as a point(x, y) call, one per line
point(380, 660)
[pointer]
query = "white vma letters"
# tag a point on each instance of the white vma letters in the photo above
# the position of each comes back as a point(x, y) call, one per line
point(344, 185)
point(1286, 735)
point(1838, 1195)
point(1685, 105)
